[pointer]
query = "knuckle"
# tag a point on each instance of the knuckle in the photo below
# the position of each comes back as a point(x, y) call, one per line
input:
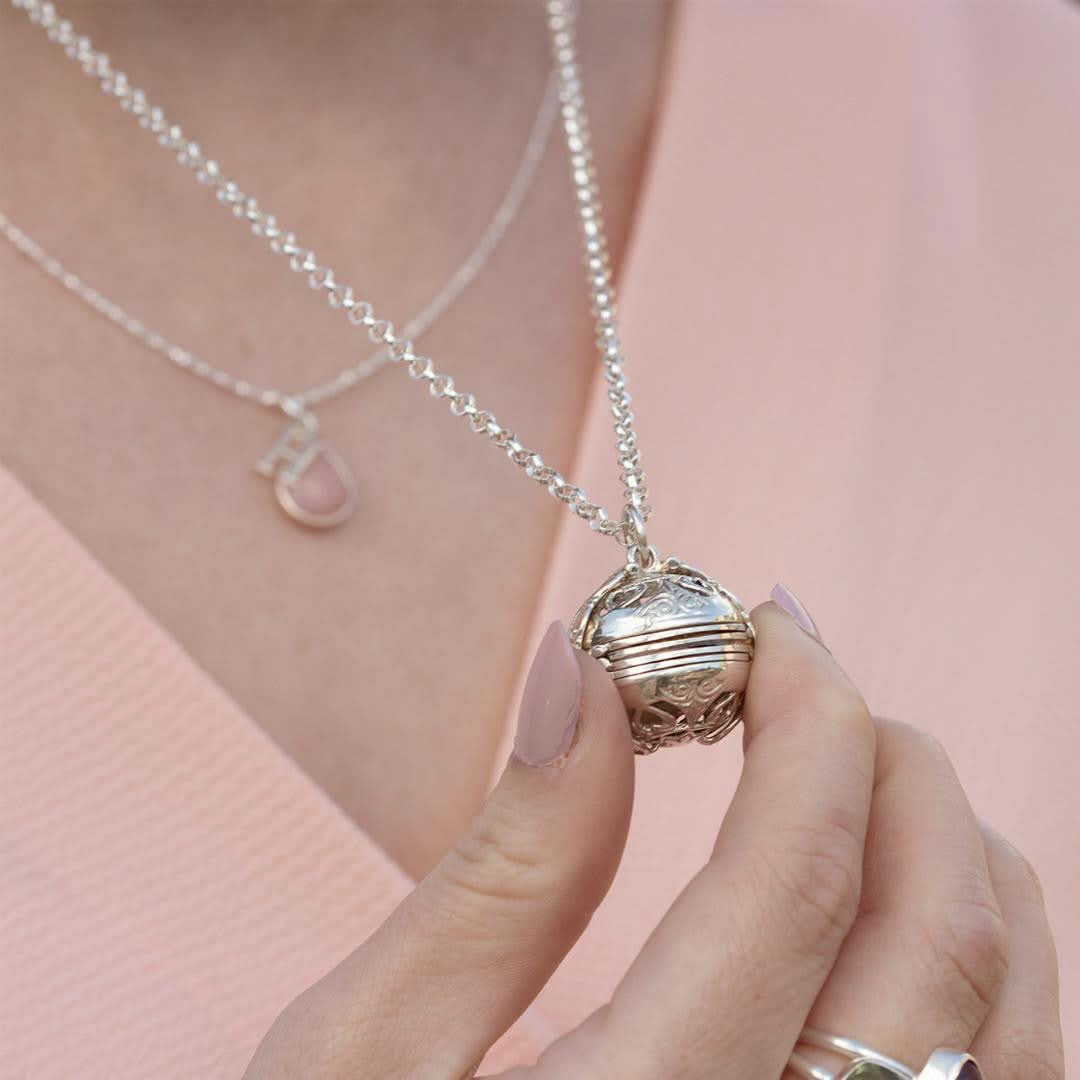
point(1032, 885)
point(324, 1035)
point(500, 858)
point(929, 744)
point(306, 1039)
point(969, 942)
point(1023, 877)
point(914, 741)
point(815, 874)
point(1032, 1054)
point(850, 717)
point(846, 706)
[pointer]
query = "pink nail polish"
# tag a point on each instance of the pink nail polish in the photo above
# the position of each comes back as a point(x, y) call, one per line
point(784, 598)
point(551, 703)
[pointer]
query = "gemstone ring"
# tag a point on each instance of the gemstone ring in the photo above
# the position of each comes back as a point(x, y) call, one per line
point(864, 1063)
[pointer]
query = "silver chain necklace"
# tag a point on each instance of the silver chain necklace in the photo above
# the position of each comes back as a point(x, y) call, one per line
point(312, 482)
point(678, 645)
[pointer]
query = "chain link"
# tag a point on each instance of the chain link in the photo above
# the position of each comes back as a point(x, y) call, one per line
point(398, 347)
point(561, 24)
point(348, 377)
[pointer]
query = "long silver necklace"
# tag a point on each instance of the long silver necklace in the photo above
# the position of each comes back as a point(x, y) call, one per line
point(311, 480)
point(678, 645)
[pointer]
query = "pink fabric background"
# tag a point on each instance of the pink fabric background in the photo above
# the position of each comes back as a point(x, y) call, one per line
point(852, 316)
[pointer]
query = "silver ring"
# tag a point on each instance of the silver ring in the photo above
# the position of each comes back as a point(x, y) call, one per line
point(865, 1063)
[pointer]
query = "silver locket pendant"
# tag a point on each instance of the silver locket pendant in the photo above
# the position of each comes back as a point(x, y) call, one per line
point(678, 645)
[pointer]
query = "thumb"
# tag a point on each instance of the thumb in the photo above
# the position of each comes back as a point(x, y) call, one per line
point(463, 956)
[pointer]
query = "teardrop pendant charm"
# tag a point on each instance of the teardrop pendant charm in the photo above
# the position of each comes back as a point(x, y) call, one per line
point(677, 644)
point(312, 483)
point(317, 490)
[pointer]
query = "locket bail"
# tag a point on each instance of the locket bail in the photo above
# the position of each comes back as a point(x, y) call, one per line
point(639, 552)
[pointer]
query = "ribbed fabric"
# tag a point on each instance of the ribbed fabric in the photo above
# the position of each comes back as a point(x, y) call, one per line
point(169, 881)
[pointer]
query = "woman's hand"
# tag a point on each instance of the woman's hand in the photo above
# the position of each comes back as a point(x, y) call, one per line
point(850, 886)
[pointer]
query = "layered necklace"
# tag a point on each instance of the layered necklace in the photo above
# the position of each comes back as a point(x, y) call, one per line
point(677, 644)
point(311, 481)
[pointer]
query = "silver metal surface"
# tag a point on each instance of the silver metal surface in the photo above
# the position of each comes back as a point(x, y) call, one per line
point(561, 24)
point(859, 1069)
point(678, 646)
point(951, 1065)
point(865, 1063)
point(285, 463)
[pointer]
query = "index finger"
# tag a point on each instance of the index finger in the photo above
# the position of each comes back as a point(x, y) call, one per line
point(725, 982)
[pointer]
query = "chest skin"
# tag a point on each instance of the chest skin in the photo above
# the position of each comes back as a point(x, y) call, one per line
point(380, 656)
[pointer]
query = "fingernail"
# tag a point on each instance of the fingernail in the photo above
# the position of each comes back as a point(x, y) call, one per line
point(551, 702)
point(784, 598)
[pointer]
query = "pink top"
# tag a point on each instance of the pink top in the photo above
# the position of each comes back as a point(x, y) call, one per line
point(851, 308)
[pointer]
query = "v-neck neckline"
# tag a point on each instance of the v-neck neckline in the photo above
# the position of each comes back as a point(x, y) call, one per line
point(49, 532)
point(221, 731)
